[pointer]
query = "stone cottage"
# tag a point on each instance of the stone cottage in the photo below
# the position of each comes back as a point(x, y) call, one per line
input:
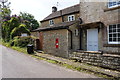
point(89, 32)
point(59, 33)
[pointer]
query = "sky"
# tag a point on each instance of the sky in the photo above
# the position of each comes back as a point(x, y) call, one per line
point(39, 8)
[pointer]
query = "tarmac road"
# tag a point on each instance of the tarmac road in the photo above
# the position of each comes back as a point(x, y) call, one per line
point(19, 65)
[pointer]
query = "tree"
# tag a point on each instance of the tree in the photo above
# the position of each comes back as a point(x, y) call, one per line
point(14, 25)
point(5, 8)
point(8, 26)
point(4, 17)
point(29, 20)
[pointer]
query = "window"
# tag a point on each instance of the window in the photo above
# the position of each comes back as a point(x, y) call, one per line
point(76, 32)
point(51, 22)
point(24, 34)
point(71, 18)
point(114, 34)
point(113, 3)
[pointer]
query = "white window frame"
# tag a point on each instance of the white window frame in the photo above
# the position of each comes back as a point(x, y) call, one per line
point(111, 1)
point(76, 32)
point(71, 18)
point(51, 22)
point(24, 34)
point(113, 42)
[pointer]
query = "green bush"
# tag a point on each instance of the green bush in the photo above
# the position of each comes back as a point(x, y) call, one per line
point(22, 41)
point(18, 30)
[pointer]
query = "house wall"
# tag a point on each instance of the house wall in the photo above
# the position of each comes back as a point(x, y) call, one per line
point(49, 37)
point(56, 21)
point(59, 20)
point(75, 38)
point(35, 34)
point(65, 18)
point(94, 12)
point(45, 24)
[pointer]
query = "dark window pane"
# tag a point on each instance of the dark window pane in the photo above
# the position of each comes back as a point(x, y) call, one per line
point(118, 2)
point(110, 35)
point(114, 26)
point(110, 39)
point(119, 35)
point(118, 26)
point(118, 39)
point(118, 30)
point(110, 4)
point(114, 39)
point(114, 35)
point(110, 31)
point(114, 30)
point(110, 27)
point(114, 3)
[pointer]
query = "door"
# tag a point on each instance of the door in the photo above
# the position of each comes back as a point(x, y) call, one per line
point(37, 44)
point(41, 41)
point(92, 40)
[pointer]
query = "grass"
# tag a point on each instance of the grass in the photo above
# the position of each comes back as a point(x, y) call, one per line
point(20, 49)
point(23, 50)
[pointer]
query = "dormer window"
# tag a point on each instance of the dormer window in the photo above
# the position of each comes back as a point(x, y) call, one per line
point(51, 22)
point(71, 18)
point(113, 3)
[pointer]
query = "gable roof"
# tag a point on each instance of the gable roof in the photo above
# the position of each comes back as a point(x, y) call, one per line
point(63, 25)
point(69, 10)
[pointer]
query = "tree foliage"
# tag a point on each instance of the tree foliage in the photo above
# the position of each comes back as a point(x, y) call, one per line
point(8, 26)
point(29, 20)
point(18, 30)
point(14, 25)
point(5, 9)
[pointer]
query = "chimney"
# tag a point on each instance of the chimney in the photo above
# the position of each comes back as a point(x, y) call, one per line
point(54, 9)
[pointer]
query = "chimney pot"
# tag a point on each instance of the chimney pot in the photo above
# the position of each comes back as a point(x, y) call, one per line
point(54, 9)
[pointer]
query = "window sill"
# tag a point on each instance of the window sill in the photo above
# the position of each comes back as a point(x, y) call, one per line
point(111, 45)
point(110, 9)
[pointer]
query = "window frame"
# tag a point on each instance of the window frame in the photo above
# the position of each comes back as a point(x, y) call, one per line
point(51, 22)
point(24, 34)
point(112, 6)
point(112, 33)
point(71, 18)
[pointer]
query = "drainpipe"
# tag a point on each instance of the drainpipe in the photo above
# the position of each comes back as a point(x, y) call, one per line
point(71, 37)
point(80, 38)
point(61, 15)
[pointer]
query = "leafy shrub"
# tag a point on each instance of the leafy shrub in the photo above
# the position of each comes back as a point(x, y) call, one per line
point(22, 41)
point(18, 30)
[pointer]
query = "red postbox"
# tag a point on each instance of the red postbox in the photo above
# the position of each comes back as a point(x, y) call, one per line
point(57, 43)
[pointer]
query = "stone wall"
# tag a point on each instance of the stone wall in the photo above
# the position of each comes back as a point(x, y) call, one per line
point(98, 59)
point(56, 21)
point(35, 34)
point(75, 38)
point(65, 18)
point(59, 20)
point(49, 40)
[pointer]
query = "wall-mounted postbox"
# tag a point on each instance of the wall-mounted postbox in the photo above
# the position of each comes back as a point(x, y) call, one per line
point(57, 43)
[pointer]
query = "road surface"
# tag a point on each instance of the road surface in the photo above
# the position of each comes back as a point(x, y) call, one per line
point(19, 65)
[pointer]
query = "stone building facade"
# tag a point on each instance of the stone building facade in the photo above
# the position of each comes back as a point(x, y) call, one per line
point(98, 18)
point(82, 27)
point(58, 34)
point(89, 32)
point(99, 34)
